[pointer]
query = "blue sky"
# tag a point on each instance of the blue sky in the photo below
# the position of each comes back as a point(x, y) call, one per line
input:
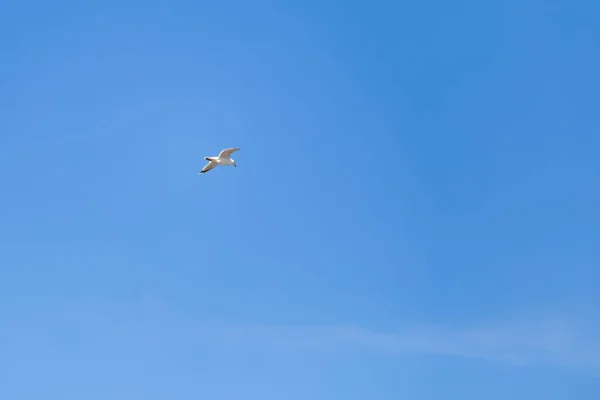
point(414, 213)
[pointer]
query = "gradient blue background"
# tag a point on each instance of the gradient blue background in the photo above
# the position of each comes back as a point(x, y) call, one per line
point(402, 164)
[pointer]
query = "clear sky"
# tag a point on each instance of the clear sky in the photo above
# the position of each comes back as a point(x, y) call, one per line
point(414, 213)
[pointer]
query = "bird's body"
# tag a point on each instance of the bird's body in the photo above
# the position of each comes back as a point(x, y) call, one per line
point(224, 158)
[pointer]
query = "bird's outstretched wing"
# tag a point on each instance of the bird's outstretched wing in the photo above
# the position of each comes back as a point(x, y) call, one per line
point(227, 152)
point(209, 166)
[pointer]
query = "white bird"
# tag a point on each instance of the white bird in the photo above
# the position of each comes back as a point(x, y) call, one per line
point(224, 158)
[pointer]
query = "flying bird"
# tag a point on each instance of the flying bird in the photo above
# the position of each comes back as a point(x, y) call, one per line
point(224, 158)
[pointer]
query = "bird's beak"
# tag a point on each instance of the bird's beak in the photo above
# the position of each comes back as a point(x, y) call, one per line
point(235, 165)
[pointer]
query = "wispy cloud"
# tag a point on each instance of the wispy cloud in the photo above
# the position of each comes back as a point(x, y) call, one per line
point(555, 342)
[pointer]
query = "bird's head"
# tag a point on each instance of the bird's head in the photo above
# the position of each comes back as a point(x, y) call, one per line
point(234, 164)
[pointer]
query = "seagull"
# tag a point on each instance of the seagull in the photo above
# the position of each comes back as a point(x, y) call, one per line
point(224, 158)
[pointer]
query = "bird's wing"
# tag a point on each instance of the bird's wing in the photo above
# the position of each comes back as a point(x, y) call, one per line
point(209, 166)
point(227, 152)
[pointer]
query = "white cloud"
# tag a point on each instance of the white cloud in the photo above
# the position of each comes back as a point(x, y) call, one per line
point(551, 342)
point(541, 343)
